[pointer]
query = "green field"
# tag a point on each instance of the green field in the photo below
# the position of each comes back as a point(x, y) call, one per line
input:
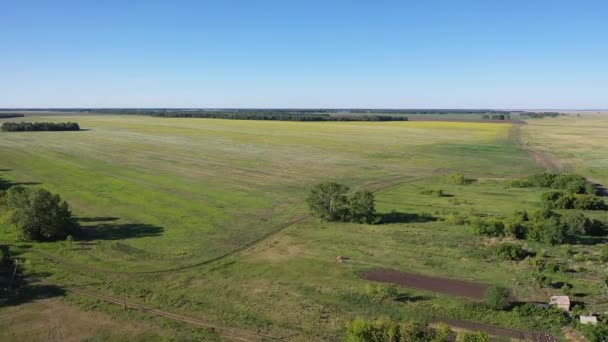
point(160, 194)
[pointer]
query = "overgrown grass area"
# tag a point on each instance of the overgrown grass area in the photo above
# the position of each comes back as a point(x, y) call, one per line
point(160, 193)
point(575, 143)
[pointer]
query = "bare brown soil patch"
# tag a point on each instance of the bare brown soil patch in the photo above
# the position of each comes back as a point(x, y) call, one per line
point(454, 287)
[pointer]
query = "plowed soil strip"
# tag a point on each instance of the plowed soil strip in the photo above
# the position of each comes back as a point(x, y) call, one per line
point(448, 286)
point(501, 332)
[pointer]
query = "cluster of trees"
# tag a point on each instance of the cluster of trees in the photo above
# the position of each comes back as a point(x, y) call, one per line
point(572, 191)
point(332, 202)
point(497, 117)
point(570, 182)
point(387, 330)
point(566, 200)
point(39, 126)
point(38, 214)
point(545, 226)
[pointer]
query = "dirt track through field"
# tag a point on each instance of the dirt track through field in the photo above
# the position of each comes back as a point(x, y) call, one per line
point(232, 333)
point(453, 287)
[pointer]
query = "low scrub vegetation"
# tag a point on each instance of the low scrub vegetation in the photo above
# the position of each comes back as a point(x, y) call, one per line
point(332, 202)
point(466, 336)
point(545, 226)
point(497, 297)
point(39, 126)
point(387, 330)
point(572, 183)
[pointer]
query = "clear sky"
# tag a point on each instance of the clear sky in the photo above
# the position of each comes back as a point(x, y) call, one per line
point(304, 53)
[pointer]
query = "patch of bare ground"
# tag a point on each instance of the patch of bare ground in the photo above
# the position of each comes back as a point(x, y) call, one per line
point(453, 287)
point(55, 320)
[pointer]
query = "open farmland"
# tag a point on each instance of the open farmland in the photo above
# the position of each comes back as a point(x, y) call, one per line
point(161, 197)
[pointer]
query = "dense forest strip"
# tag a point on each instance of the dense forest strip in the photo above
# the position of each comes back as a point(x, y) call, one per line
point(39, 126)
point(8, 116)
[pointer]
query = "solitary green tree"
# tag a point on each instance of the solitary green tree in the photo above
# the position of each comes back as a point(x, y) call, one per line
point(328, 201)
point(39, 215)
point(362, 209)
point(497, 297)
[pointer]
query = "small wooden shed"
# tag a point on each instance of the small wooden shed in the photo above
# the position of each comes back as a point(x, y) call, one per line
point(562, 302)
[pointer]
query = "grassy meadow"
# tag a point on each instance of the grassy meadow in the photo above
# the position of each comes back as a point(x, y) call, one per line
point(159, 194)
point(575, 143)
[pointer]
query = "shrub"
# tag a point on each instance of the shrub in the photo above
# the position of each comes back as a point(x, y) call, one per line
point(497, 297)
point(576, 222)
point(551, 316)
point(589, 202)
point(443, 333)
point(510, 251)
point(472, 337)
point(39, 215)
point(455, 219)
point(516, 225)
point(458, 178)
point(378, 293)
point(542, 280)
point(386, 330)
point(488, 227)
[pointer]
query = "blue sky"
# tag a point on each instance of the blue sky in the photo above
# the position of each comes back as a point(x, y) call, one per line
point(309, 54)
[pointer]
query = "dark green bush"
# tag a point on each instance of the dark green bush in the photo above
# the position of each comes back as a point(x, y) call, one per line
point(472, 337)
point(551, 316)
point(510, 251)
point(488, 226)
point(497, 297)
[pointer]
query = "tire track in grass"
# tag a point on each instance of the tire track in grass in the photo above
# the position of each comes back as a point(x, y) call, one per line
point(234, 333)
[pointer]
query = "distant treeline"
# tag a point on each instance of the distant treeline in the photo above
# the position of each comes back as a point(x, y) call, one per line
point(11, 115)
point(540, 115)
point(279, 116)
point(39, 126)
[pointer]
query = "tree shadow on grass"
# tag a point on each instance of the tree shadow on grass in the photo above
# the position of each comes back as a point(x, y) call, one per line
point(30, 293)
point(119, 231)
point(407, 298)
point(400, 217)
point(97, 219)
point(592, 240)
